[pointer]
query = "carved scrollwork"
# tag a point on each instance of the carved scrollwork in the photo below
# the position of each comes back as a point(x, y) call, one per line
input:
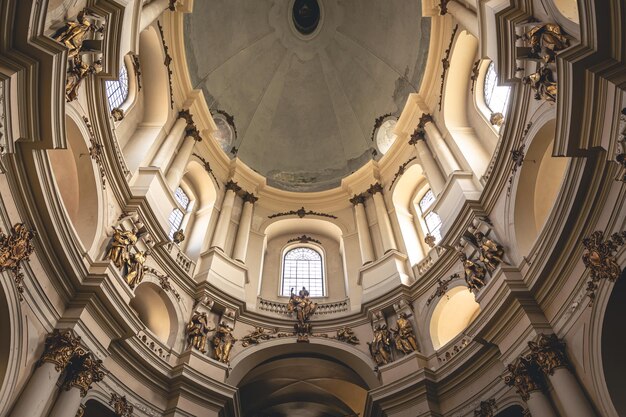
point(549, 353)
point(599, 257)
point(60, 347)
point(524, 376)
point(15, 248)
point(301, 212)
point(83, 370)
point(121, 406)
point(486, 408)
point(258, 335)
point(346, 335)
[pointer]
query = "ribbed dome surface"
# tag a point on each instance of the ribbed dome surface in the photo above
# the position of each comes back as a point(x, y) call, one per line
point(304, 105)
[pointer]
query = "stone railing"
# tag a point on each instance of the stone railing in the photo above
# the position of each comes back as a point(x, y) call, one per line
point(323, 309)
point(157, 347)
point(180, 258)
point(444, 356)
point(425, 264)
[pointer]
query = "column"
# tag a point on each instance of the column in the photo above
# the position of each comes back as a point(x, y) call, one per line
point(525, 376)
point(60, 347)
point(431, 169)
point(363, 229)
point(169, 144)
point(223, 221)
point(176, 171)
point(386, 232)
point(466, 17)
point(243, 232)
point(151, 11)
point(83, 371)
point(549, 353)
point(440, 147)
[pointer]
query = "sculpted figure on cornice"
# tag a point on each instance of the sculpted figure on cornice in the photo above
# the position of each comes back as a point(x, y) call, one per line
point(77, 71)
point(491, 252)
point(135, 268)
point(223, 341)
point(380, 346)
point(545, 41)
point(543, 83)
point(347, 335)
point(119, 248)
point(197, 331)
point(403, 336)
point(474, 273)
point(304, 308)
point(256, 336)
point(72, 34)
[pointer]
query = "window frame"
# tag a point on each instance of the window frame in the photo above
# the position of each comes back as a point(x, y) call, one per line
point(115, 86)
point(317, 248)
point(187, 211)
point(421, 214)
point(479, 94)
point(133, 87)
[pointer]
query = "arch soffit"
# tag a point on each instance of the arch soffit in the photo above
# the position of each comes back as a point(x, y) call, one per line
point(156, 98)
point(403, 191)
point(203, 185)
point(15, 319)
point(297, 226)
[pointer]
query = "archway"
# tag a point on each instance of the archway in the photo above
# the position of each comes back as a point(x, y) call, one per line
point(453, 313)
point(95, 408)
point(512, 411)
point(156, 311)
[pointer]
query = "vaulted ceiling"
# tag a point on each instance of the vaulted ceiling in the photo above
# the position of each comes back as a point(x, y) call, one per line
point(304, 105)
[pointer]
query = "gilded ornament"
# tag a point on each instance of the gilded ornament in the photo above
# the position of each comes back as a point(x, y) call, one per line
point(346, 335)
point(403, 336)
point(82, 372)
point(15, 248)
point(524, 376)
point(380, 346)
point(81, 411)
point(475, 274)
point(486, 408)
point(496, 119)
point(119, 247)
point(430, 240)
point(118, 114)
point(543, 83)
point(121, 406)
point(197, 330)
point(60, 347)
point(491, 252)
point(178, 236)
point(545, 41)
point(257, 335)
point(223, 341)
point(304, 308)
point(599, 257)
point(72, 34)
point(135, 268)
point(77, 71)
point(549, 353)
point(442, 288)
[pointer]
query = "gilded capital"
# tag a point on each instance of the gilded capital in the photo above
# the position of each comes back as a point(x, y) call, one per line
point(524, 376)
point(232, 186)
point(549, 353)
point(83, 371)
point(121, 406)
point(249, 198)
point(358, 199)
point(375, 188)
point(60, 347)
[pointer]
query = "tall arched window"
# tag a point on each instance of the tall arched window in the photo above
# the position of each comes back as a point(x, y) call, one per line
point(177, 215)
point(431, 219)
point(496, 97)
point(117, 90)
point(302, 267)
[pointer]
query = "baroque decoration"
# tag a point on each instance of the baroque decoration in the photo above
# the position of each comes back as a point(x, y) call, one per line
point(167, 62)
point(301, 212)
point(548, 352)
point(524, 376)
point(442, 288)
point(445, 62)
point(83, 371)
point(15, 248)
point(222, 342)
point(197, 330)
point(96, 151)
point(380, 346)
point(121, 406)
point(486, 408)
point(599, 258)
point(60, 347)
point(303, 307)
point(403, 336)
point(304, 239)
point(475, 274)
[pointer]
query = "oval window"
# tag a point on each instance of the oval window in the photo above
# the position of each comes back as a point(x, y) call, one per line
point(306, 16)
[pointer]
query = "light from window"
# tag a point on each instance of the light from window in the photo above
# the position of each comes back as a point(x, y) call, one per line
point(176, 216)
point(181, 197)
point(302, 267)
point(432, 219)
point(117, 91)
point(496, 97)
point(385, 136)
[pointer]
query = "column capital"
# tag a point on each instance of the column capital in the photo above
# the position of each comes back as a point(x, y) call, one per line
point(358, 199)
point(232, 186)
point(424, 119)
point(375, 188)
point(83, 371)
point(190, 129)
point(525, 376)
point(549, 353)
point(60, 347)
point(418, 134)
point(249, 198)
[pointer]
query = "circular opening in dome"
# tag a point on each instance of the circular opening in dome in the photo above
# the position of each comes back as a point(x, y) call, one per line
point(385, 136)
point(306, 16)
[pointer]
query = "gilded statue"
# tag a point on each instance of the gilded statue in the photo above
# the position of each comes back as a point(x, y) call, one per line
point(474, 273)
point(545, 41)
point(197, 330)
point(491, 252)
point(72, 34)
point(223, 341)
point(135, 268)
point(347, 335)
point(304, 308)
point(256, 336)
point(380, 346)
point(77, 71)
point(403, 336)
point(543, 83)
point(119, 248)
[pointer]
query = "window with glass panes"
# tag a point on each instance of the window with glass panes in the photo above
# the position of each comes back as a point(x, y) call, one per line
point(177, 215)
point(432, 219)
point(496, 97)
point(302, 267)
point(117, 90)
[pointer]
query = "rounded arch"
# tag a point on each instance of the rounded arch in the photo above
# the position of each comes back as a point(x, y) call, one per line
point(154, 74)
point(538, 186)
point(157, 312)
point(293, 257)
point(11, 342)
point(452, 314)
point(77, 180)
point(95, 408)
point(512, 411)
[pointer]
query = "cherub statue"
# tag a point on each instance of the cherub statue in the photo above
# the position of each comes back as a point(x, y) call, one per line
point(545, 41)
point(491, 252)
point(403, 336)
point(380, 346)
point(474, 273)
point(77, 71)
point(197, 330)
point(223, 342)
point(135, 271)
point(544, 84)
point(119, 247)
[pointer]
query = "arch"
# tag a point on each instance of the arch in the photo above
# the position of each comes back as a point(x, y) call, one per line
point(156, 311)
point(94, 408)
point(568, 9)
point(512, 411)
point(538, 186)
point(306, 225)
point(11, 342)
point(293, 259)
point(78, 184)
point(452, 314)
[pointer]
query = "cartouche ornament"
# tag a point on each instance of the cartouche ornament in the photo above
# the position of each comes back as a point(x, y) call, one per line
point(15, 248)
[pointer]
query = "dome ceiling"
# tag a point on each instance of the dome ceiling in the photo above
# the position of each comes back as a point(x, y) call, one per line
point(305, 80)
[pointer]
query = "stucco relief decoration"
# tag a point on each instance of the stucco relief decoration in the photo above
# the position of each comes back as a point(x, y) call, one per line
point(442, 288)
point(445, 62)
point(178, 237)
point(524, 376)
point(83, 371)
point(167, 62)
point(346, 335)
point(164, 281)
point(60, 347)
point(222, 342)
point(207, 167)
point(258, 335)
point(380, 346)
point(599, 257)
point(549, 353)
point(303, 307)
point(491, 252)
point(401, 170)
point(301, 212)
point(96, 151)
point(197, 331)
point(15, 248)
point(121, 406)
point(620, 156)
point(518, 156)
point(475, 274)
point(486, 408)
point(304, 239)
point(403, 335)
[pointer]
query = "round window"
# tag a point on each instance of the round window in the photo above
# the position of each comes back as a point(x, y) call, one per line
point(385, 136)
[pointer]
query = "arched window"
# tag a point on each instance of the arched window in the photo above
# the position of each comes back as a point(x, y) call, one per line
point(117, 91)
point(496, 97)
point(431, 219)
point(385, 137)
point(302, 267)
point(177, 215)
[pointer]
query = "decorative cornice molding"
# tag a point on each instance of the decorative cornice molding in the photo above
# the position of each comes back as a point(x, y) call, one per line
point(207, 167)
point(301, 212)
point(401, 170)
point(445, 62)
point(167, 62)
point(304, 239)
